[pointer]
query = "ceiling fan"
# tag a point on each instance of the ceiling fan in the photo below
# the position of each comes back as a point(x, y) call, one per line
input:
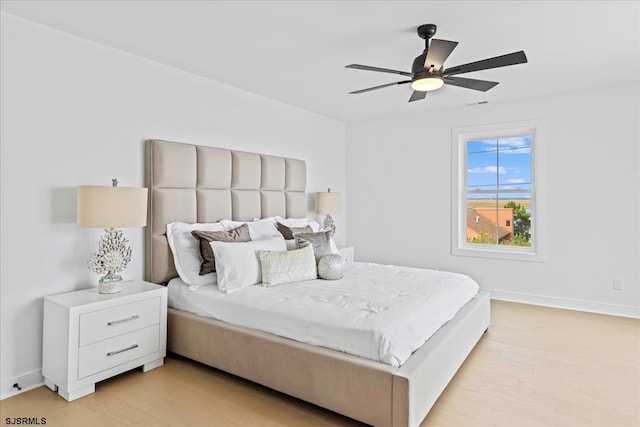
point(428, 72)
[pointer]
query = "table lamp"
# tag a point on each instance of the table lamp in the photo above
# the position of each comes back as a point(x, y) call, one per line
point(328, 203)
point(111, 208)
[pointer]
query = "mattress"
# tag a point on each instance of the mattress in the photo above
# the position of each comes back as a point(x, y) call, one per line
point(379, 312)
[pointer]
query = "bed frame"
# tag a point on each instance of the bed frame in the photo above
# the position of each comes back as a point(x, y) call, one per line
point(190, 183)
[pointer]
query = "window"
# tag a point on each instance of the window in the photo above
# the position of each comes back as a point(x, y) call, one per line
point(496, 191)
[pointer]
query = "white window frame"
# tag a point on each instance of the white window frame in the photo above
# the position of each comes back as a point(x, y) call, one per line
point(459, 244)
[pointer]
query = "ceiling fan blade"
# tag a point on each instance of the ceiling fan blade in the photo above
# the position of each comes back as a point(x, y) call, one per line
point(380, 87)
point(481, 85)
point(381, 70)
point(486, 64)
point(417, 96)
point(439, 51)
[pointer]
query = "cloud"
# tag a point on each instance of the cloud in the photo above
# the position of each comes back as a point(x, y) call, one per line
point(520, 144)
point(515, 181)
point(517, 141)
point(513, 145)
point(488, 169)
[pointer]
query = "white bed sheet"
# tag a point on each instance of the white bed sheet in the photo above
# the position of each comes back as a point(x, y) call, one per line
point(380, 312)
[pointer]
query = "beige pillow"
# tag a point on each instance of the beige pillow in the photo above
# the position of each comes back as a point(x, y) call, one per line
point(278, 268)
point(239, 234)
point(288, 232)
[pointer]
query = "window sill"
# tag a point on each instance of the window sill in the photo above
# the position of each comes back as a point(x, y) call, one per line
point(496, 253)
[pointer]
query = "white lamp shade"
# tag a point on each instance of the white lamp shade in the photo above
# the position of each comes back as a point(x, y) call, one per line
point(111, 207)
point(328, 203)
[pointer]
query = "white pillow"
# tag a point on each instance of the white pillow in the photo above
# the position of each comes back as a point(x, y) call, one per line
point(237, 263)
point(288, 267)
point(186, 251)
point(298, 222)
point(291, 244)
point(258, 230)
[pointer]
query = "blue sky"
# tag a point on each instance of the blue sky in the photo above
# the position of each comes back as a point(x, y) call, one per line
point(503, 163)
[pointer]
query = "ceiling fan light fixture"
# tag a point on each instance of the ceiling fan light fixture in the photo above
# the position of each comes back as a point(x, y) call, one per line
point(427, 84)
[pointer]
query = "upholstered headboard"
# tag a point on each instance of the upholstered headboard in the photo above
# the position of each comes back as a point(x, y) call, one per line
point(190, 183)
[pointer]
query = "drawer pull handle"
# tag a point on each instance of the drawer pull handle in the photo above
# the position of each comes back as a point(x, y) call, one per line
point(113, 353)
point(115, 322)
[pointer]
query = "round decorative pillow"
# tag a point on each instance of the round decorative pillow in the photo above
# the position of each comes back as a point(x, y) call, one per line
point(330, 267)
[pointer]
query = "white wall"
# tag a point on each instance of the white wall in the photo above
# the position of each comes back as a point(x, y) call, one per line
point(75, 112)
point(399, 186)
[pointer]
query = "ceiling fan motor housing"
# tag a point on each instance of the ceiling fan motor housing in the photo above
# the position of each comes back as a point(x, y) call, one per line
point(427, 31)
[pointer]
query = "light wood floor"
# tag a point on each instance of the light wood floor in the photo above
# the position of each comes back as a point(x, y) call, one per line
point(535, 366)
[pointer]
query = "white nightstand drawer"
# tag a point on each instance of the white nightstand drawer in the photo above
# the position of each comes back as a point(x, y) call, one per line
point(110, 322)
point(118, 350)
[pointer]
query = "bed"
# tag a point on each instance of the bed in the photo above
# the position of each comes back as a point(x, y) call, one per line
point(192, 184)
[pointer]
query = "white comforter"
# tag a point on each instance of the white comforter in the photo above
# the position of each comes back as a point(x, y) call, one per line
point(380, 312)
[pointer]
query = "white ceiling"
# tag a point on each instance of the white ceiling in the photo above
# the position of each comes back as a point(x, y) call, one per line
point(295, 51)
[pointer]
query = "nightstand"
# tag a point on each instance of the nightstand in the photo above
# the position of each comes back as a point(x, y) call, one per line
point(89, 337)
point(347, 253)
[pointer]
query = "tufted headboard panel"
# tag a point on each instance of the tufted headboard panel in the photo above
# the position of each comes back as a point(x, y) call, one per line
point(191, 183)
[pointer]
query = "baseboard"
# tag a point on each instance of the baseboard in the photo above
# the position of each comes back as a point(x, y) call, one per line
point(26, 382)
point(566, 303)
